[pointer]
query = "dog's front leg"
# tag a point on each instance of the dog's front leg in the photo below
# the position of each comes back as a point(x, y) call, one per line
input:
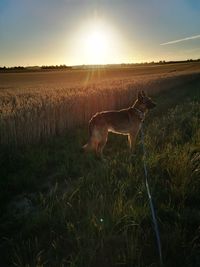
point(132, 140)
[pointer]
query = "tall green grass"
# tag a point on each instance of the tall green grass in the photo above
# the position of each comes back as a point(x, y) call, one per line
point(86, 212)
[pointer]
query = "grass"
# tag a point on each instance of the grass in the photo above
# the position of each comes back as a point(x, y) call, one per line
point(84, 212)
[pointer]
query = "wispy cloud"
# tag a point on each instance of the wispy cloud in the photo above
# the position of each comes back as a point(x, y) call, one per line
point(182, 40)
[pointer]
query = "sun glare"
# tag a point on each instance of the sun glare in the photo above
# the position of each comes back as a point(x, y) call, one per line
point(96, 42)
point(96, 47)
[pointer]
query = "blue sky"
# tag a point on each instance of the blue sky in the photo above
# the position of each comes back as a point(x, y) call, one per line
point(39, 32)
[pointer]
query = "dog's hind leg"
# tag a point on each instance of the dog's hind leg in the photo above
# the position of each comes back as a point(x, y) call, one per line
point(102, 143)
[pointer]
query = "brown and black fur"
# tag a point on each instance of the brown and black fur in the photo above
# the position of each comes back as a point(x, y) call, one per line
point(125, 121)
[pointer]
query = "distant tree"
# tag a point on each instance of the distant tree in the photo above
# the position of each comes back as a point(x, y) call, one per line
point(56, 67)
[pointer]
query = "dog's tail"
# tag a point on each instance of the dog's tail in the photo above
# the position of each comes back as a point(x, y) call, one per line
point(88, 145)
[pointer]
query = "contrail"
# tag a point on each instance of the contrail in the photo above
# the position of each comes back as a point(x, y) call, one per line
point(181, 40)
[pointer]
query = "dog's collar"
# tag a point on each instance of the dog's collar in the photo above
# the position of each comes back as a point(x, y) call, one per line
point(140, 114)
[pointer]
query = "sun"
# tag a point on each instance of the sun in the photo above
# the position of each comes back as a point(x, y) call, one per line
point(96, 46)
point(95, 42)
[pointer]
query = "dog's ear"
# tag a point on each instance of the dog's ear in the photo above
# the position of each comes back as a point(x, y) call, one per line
point(140, 96)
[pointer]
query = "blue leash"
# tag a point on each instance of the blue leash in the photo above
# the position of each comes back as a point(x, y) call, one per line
point(151, 201)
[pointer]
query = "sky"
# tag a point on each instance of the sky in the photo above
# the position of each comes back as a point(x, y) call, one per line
point(76, 32)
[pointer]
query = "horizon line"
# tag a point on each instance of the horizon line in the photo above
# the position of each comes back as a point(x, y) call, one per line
point(162, 61)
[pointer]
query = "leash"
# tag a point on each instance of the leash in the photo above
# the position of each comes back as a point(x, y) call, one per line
point(153, 214)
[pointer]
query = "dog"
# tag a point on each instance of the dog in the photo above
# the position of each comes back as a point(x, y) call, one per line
point(124, 121)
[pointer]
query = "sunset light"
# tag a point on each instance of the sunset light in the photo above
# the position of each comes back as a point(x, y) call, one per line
point(96, 41)
point(83, 156)
point(98, 32)
point(96, 47)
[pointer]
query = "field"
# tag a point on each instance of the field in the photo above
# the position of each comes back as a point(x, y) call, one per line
point(63, 208)
point(38, 105)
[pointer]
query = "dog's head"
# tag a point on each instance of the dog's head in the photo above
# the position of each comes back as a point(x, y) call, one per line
point(145, 101)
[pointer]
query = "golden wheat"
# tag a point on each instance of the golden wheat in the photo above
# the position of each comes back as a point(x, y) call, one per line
point(30, 114)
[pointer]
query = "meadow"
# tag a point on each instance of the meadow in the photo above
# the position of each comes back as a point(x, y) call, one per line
point(60, 207)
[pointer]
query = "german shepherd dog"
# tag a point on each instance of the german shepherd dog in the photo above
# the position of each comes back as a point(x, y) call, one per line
point(125, 121)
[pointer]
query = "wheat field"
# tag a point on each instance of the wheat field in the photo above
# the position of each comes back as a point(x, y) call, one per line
point(38, 105)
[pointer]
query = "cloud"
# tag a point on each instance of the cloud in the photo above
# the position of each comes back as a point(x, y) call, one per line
point(182, 40)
